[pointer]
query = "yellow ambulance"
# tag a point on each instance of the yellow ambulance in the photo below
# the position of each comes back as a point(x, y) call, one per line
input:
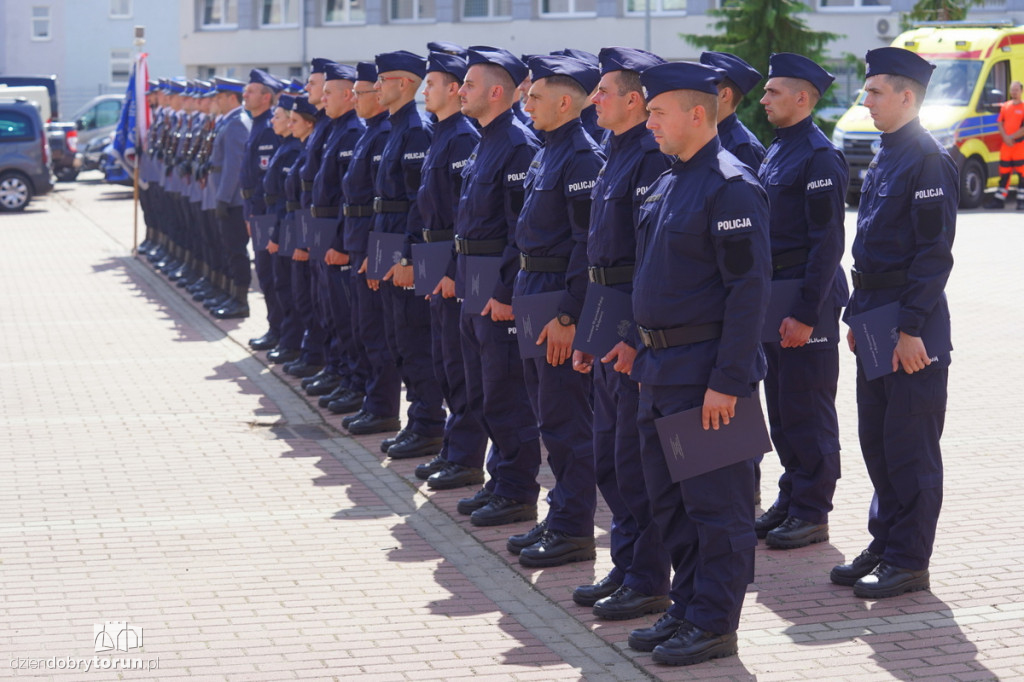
point(974, 66)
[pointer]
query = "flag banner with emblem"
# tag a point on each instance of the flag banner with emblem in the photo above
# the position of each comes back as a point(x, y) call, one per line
point(133, 125)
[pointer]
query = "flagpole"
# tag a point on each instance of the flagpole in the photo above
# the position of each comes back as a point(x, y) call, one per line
point(135, 205)
point(140, 40)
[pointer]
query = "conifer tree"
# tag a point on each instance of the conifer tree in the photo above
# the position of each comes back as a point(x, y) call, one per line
point(937, 10)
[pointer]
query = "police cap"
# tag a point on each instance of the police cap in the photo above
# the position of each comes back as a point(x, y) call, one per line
point(738, 71)
point(484, 54)
point(401, 60)
point(899, 62)
point(681, 76)
point(789, 65)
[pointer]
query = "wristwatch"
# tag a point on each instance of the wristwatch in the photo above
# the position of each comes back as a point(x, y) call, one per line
point(405, 262)
point(566, 320)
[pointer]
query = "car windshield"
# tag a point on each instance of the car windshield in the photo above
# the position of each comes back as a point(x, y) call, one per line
point(953, 82)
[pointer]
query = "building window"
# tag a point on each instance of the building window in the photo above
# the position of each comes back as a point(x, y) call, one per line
point(120, 66)
point(280, 13)
point(413, 10)
point(120, 9)
point(486, 9)
point(565, 8)
point(639, 7)
point(40, 22)
point(345, 12)
point(854, 4)
point(218, 13)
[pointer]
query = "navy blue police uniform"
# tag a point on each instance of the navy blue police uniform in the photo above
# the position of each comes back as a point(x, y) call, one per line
point(902, 253)
point(406, 315)
point(454, 139)
point(552, 235)
point(733, 135)
point(492, 197)
point(383, 384)
point(805, 176)
point(634, 163)
point(699, 294)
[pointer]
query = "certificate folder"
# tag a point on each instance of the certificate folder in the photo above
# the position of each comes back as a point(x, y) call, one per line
point(876, 333)
point(606, 319)
point(261, 227)
point(482, 274)
point(385, 249)
point(691, 451)
point(784, 296)
point(532, 313)
point(320, 234)
point(288, 235)
point(430, 263)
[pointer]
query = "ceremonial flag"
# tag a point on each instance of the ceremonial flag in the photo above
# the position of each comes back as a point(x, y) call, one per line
point(130, 135)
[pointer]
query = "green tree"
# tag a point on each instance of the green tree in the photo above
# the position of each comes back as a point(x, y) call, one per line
point(753, 30)
point(937, 10)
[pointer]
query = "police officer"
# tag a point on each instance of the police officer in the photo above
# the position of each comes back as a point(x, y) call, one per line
point(589, 114)
point(638, 583)
point(406, 315)
point(805, 177)
point(701, 285)
point(225, 175)
point(379, 397)
point(492, 197)
point(902, 252)
point(332, 272)
point(740, 78)
point(455, 137)
point(552, 236)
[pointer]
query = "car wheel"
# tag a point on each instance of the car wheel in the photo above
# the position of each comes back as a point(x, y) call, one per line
point(67, 174)
point(972, 183)
point(15, 191)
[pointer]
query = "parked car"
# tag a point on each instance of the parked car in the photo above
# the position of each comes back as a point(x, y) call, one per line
point(91, 153)
point(24, 155)
point(48, 82)
point(98, 117)
point(64, 159)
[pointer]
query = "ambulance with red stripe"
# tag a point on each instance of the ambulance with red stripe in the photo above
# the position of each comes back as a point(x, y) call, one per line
point(974, 66)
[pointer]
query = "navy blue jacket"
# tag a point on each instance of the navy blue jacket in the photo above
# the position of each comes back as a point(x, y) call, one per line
point(738, 139)
point(805, 176)
point(273, 180)
point(357, 182)
point(493, 194)
point(259, 148)
point(555, 218)
point(335, 156)
point(703, 256)
point(907, 221)
point(313, 157)
point(399, 174)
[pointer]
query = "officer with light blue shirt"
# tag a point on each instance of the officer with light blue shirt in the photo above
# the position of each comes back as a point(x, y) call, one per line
point(639, 581)
point(551, 235)
point(740, 78)
point(699, 294)
point(805, 176)
point(902, 253)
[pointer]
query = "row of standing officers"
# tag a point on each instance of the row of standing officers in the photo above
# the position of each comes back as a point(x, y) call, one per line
point(560, 172)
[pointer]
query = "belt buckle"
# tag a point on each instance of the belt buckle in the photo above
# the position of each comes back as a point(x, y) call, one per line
point(597, 275)
point(645, 336)
point(524, 261)
point(855, 277)
point(378, 205)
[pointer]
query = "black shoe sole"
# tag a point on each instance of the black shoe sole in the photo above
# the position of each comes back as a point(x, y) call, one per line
point(654, 606)
point(578, 555)
point(720, 651)
point(457, 483)
point(365, 431)
point(504, 521)
point(915, 586)
point(644, 646)
point(794, 544)
point(847, 580)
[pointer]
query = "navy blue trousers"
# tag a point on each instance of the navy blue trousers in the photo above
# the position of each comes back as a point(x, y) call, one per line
point(706, 522)
point(496, 394)
point(900, 421)
point(560, 398)
point(313, 334)
point(290, 335)
point(383, 384)
point(640, 560)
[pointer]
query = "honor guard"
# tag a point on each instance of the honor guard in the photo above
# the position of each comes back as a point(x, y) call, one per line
point(902, 253)
point(805, 176)
point(740, 78)
point(378, 399)
point(492, 197)
point(551, 235)
point(346, 364)
point(455, 137)
point(406, 315)
point(699, 294)
point(638, 583)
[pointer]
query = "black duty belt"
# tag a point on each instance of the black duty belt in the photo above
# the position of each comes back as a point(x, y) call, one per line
point(381, 205)
point(357, 210)
point(479, 247)
point(878, 280)
point(247, 194)
point(679, 336)
point(788, 259)
point(438, 235)
point(292, 205)
point(324, 211)
point(543, 263)
point(271, 199)
point(620, 274)
point(307, 185)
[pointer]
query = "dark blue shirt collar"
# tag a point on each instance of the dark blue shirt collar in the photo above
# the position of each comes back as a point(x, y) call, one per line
point(703, 156)
point(630, 137)
point(904, 135)
point(565, 131)
point(796, 130)
point(500, 122)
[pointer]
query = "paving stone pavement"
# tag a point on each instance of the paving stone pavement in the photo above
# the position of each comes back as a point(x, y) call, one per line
point(157, 473)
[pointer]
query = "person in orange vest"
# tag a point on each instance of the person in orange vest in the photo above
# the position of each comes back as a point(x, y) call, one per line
point(1011, 154)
